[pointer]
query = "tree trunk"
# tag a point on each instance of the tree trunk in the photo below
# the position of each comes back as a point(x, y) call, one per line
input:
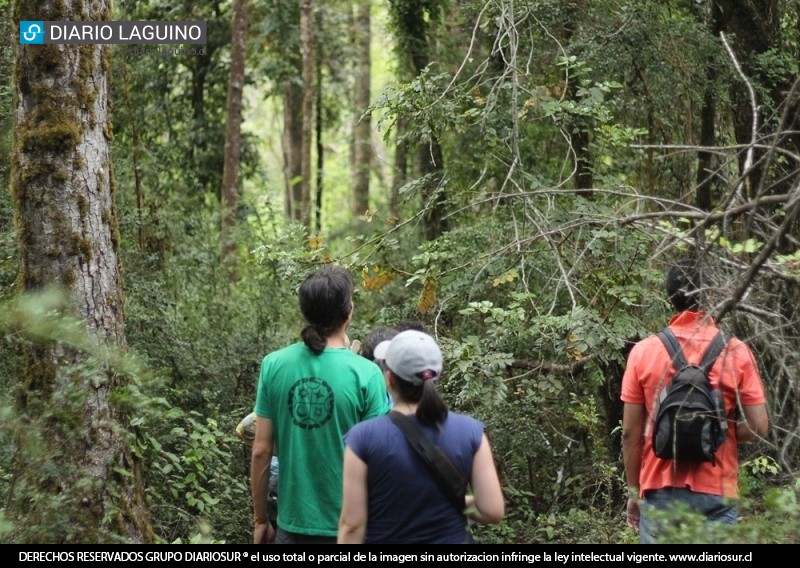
point(292, 148)
point(68, 236)
point(413, 20)
point(135, 161)
point(233, 135)
point(202, 65)
point(755, 24)
point(705, 157)
point(362, 128)
point(319, 128)
point(708, 124)
point(584, 176)
point(307, 42)
point(579, 133)
point(432, 167)
point(400, 175)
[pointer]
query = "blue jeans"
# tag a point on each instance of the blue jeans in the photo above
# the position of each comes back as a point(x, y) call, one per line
point(717, 509)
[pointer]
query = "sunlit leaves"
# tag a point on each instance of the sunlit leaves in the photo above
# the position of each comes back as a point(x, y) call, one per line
point(376, 277)
point(427, 296)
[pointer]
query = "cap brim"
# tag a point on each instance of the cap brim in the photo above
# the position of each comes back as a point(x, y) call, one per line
point(380, 350)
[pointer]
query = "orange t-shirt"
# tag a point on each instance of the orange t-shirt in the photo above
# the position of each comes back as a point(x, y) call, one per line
point(648, 371)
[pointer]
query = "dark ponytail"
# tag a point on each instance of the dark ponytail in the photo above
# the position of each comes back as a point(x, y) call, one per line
point(431, 408)
point(313, 340)
point(326, 299)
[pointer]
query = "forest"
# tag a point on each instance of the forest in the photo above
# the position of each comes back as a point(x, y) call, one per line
point(517, 175)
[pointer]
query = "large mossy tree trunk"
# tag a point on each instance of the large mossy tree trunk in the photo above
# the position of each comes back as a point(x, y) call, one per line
point(80, 482)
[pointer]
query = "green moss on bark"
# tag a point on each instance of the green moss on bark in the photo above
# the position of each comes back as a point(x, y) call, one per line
point(115, 237)
point(27, 10)
point(52, 137)
point(83, 207)
point(82, 82)
point(81, 247)
point(68, 279)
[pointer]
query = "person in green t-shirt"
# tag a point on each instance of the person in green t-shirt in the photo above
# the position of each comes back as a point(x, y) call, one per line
point(309, 394)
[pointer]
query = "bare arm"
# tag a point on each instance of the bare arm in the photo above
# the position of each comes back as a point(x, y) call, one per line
point(633, 421)
point(754, 425)
point(259, 479)
point(489, 506)
point(353, 520)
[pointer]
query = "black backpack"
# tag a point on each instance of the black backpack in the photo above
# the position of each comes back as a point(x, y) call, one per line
point(690, 422)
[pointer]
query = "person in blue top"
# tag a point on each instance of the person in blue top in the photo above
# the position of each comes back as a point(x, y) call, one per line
point(389, 496)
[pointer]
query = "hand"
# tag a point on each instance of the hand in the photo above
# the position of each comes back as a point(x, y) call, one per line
point(263, 533)
point(469, 502)
point(469, 509)
point(633, 513)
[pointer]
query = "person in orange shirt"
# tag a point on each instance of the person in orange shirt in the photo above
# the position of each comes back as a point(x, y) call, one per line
point(710, 488)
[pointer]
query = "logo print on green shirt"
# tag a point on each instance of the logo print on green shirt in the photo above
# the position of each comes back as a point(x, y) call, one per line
point(311, 403)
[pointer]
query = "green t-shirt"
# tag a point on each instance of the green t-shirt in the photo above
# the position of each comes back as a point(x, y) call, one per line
point(312, 401)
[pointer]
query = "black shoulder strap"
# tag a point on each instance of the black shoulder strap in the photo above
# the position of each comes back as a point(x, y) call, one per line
point(713, 351)
point(444, 471)
point(673, 348)
point(676, 353)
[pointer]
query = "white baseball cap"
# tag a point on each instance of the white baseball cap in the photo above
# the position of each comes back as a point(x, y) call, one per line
point(412, 355)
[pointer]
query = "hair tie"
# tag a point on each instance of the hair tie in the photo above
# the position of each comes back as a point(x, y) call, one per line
point(427, 375)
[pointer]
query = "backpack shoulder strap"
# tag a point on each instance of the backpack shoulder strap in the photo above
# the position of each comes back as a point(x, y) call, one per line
point(441, 466)
point(713, 351)
point(673, 348)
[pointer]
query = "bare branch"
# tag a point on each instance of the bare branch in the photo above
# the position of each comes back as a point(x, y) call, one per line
point(748, 162)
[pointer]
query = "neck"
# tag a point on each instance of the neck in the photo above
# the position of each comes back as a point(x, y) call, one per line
point(405, 407)
point(338, 339)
